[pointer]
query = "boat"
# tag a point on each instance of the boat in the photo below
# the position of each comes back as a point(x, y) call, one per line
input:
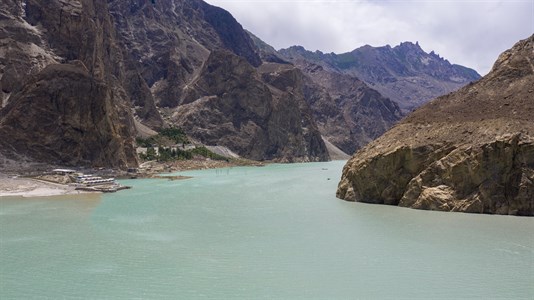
point(90, 180)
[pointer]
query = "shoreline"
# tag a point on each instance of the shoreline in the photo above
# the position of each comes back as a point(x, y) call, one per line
point(28, 187)
point(15, 185)
point(153, 169)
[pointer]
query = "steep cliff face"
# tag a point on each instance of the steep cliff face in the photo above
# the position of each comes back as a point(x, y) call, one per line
point(230, 105)
point(292, 110)
point(470, 151)
point(64, 116)
point(71, 33)
point(406, 74)
point(23, 48)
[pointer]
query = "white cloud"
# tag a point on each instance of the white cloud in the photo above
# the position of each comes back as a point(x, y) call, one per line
point(471, 33)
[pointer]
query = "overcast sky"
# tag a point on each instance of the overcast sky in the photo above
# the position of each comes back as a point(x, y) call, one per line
point(471, 32)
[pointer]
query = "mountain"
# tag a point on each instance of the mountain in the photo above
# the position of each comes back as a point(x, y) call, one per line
point(190, 51)
point(406, 74)
point(167, 41)
point(348, 113)
point(470, 151)
point(230, 105)
point(81, 78)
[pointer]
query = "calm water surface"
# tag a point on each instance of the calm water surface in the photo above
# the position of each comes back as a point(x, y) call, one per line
point(276, 232)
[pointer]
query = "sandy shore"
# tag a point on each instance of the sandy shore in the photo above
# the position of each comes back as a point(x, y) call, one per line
point(26, 187)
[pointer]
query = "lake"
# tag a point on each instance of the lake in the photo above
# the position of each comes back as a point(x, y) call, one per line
point(274, 232)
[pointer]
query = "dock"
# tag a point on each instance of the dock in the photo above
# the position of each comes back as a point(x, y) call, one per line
point(103, 188)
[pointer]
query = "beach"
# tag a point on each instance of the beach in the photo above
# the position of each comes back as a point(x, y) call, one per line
point(26, 187)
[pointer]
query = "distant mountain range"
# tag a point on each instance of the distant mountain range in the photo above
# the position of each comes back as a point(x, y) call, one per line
point(81, 79)
point(405, 73)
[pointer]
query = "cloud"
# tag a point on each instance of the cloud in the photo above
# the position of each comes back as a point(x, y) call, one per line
point(471, 33)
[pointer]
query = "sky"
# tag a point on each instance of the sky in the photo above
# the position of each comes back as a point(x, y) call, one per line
point(471, 33)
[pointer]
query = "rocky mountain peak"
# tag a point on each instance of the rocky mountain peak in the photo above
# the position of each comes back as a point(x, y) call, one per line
point(409, 46)
point(267, 52)
point(405, 73)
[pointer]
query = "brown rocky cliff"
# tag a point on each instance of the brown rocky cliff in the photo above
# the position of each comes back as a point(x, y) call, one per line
point(64, 116)
point(470, 151)
point(23, 49)
point(291, 106)
point(80, 35)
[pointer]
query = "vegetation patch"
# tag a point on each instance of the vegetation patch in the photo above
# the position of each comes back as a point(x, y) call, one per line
point(166, 137)
point(170, 144)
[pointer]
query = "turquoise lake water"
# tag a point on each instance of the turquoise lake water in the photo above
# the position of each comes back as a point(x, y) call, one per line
point(275, 232)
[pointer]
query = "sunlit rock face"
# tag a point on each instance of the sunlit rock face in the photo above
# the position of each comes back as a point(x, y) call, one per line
point(469, 151)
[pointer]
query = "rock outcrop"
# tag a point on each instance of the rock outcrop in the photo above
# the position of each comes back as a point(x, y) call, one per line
point(405, 73)
point(468, 151)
